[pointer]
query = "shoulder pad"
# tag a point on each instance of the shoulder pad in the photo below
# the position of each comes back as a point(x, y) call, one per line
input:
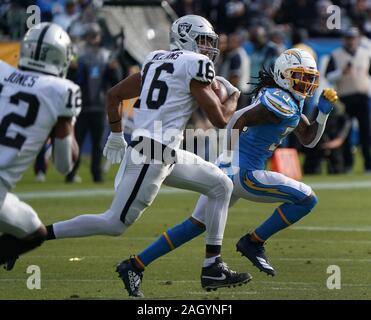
point(200, 67)
point(279, 102)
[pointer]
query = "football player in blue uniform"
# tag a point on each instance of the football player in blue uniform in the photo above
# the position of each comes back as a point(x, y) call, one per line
point(275, 112)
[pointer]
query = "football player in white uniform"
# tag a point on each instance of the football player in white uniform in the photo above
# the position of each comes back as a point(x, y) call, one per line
point(36, 103)
point(170, 86)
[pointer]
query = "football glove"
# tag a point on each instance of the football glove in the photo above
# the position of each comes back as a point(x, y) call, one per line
point(231, 89)
point(115, 147)
point(327, 99)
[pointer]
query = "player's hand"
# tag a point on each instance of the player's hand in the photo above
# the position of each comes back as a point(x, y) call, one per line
point(115, 147)
point(327, 100)
point(231, 89)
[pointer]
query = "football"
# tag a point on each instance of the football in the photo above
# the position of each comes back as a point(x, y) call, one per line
point(220, 90)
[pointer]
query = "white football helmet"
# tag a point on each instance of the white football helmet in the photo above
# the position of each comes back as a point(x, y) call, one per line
point(295, 70)
point(194, 33)
point(46, 48)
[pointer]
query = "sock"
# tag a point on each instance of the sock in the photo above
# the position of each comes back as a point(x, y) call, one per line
point(168, 241)
point(210, 261)
point(50, 230)
point(89, 225)
point(12, 247)
point(285, 215)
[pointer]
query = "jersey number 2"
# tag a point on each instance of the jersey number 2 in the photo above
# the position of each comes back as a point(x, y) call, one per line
point(23, 121)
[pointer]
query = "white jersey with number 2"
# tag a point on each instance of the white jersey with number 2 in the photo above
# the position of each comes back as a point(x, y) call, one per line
point(30, 105)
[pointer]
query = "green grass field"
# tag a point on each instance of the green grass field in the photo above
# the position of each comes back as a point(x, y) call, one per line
point(338, 232)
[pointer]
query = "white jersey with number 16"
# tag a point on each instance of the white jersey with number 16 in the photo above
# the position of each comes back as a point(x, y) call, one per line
point(166, 103)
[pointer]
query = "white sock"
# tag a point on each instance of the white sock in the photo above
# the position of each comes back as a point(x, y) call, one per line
point(88, 225)
point(210, 261)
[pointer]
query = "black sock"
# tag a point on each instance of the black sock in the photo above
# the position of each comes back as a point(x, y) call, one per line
point(214, 249)
point(11, 247)
point(50, 230)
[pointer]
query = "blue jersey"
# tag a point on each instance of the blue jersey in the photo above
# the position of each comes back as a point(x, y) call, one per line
point(257, 143)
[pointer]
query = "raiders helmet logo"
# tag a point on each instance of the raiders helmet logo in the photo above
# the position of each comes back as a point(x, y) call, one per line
point(183, 28)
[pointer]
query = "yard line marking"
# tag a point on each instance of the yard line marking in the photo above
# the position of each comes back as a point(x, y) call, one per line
point(230, 258)
point(159, 281)
point(81, 193)
point(219, 293)
point(84, 193)
point(334, 228)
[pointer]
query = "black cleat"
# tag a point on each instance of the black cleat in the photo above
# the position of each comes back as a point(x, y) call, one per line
point(219, 275)
point(132, 276)
point(9, 265)
point(255, 252)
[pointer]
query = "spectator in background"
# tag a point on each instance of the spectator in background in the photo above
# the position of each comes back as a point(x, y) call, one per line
point(223, 50)
point(299, 13)
point(226, 15)
point(263, 12)
point(298, 38)
point(359, 11)
point(349, 69)
point(47, 8)
point(184, 7)
point(330, 147)
point(278, 38)
point(87, 15)
point(235, 66)
point(96, 73)
point(264, 52)
point(66, 18)
point(16, 18)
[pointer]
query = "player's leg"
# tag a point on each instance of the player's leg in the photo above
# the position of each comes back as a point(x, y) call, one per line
point(81, 129)
point(178, 235)
point(137, 189)
point(21, 227)
point(208, 179)
point(205, 178)
point(97, 124)
point(266, 186)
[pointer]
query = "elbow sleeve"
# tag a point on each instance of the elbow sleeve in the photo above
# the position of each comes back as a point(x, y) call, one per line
point(62, 154)
point(321, 120)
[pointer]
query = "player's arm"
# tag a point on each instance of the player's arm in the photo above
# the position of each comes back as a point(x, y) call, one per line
point(218, 113)
point(249, 117)
point(310, 133)
point(65, 147)
point(126, 89)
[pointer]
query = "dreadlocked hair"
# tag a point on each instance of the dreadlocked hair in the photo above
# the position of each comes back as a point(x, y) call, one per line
point(265, 80)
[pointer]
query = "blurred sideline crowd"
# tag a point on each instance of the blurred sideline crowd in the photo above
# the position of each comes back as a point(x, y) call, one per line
point(252, 33)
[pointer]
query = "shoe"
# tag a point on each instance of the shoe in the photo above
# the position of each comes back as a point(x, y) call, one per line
point(255, 252)
point(9, 265)
point(132, 276)
point(219, 275)
point(98, 180)
point(73, 179)
point(40, 177)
